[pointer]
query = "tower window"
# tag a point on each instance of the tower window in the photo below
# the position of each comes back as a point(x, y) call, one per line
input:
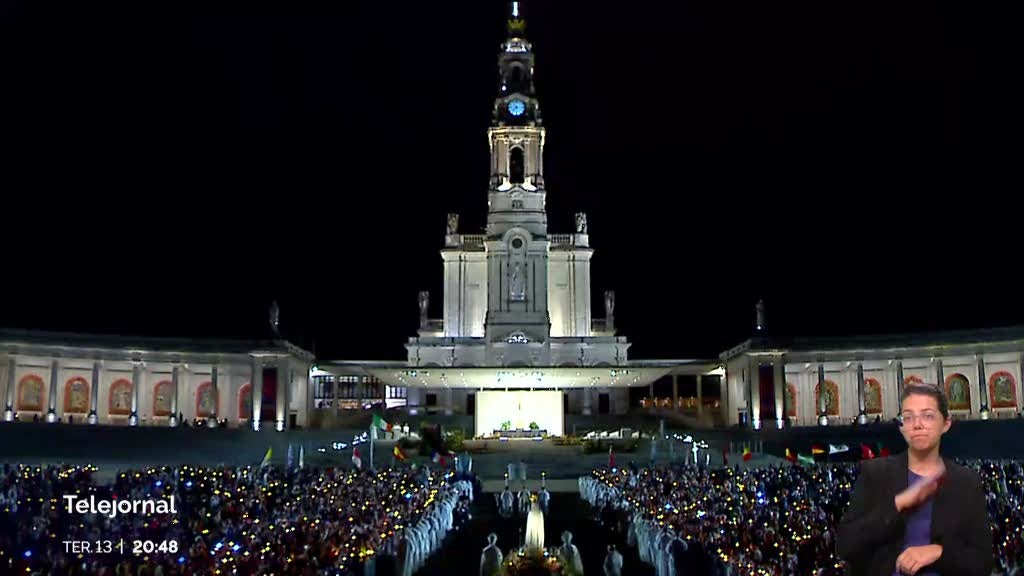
point(515, 77)
point(517, 166)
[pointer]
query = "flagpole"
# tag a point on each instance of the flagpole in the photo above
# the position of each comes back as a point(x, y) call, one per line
point(372, 435)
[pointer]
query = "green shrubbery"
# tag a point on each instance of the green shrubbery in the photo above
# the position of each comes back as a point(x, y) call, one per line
point(455, 441)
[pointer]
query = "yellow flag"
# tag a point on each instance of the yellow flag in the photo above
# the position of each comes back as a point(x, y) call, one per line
point(266, 459)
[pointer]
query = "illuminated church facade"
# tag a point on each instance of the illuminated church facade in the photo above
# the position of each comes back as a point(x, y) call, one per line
point(517, 342)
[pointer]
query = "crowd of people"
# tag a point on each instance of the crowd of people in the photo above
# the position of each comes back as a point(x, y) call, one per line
point(767, 521)
point(238, 520)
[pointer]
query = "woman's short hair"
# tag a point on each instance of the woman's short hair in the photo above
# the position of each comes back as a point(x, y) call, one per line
point(923, 389)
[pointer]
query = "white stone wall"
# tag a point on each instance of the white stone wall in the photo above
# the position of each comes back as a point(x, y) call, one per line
point(569, 293)
point(844, 373)
point(232, 377)
point(1004, 363)
point(465, 293)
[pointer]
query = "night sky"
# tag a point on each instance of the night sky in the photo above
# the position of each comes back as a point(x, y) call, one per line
point(169, 169)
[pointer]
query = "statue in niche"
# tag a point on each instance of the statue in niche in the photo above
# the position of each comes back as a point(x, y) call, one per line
point(275, 318)
point(453, 223)
point(827, 396)
point(581, 222)
point(31, 394)
point(609, 304)
point(424, 307)
point(121, 401)
point(78, 397)
point(790, 400)
point(959, 396)
point(872, 396)
point(162, 399)
point(1004, 392)
point(207, 403)
point(517, 282)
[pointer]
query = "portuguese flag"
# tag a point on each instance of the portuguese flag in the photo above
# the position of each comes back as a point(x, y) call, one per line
point(790, 455)
point(815, 450)
point(379, 422)
point(746, 453)
point(399, 455)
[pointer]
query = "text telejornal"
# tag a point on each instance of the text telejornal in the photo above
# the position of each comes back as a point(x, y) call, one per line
point(112, 508)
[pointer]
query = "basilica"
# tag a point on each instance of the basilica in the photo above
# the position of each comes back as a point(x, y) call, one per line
point(518, 344)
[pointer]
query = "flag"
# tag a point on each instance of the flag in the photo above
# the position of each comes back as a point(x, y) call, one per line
point(356, 460)
point(816, 449)
point(302, 454)
point(266, 458)
point(379, 422)
point(882, 451)
point(836, 449)
point(290, 458)
point(865, 452)
point(399, 455)
point(790, 455)
point(805, 459)
point(746, 453)
point(611, 458)
point(439, 458)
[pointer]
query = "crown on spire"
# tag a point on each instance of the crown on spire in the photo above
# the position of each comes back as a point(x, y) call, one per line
point(516, 23)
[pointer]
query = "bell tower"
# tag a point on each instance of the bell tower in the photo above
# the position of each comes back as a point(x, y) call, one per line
point(517, 231)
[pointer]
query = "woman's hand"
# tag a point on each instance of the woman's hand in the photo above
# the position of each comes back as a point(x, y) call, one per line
point(920, 492)
point(916, 557)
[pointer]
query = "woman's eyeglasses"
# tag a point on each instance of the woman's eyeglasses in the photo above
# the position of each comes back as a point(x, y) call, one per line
point(927, 418)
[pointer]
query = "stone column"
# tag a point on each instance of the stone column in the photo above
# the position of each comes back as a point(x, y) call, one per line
point(12, 385)
point(700, 397)
point(94, 395)
point(982, 388)
point(724, 399)
point(284, 384)
point(586, 401)
point(51, 412)
point(899, 386)
point(211, 422)
point(650, 395)
point(337, 384)
point(822, 408)
point(256, 406)
point(448, 401)
point(862, 415)
point(675, 392)
point(940, 374)
point(754, 382)
point(133, 418)
point(175, 386)
point(779, 377)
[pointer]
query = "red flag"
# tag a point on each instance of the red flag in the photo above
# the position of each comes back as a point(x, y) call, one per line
point(883, 452)
point(611, 458)
point(746, 453)
point(790, 455)
point(865, 452)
